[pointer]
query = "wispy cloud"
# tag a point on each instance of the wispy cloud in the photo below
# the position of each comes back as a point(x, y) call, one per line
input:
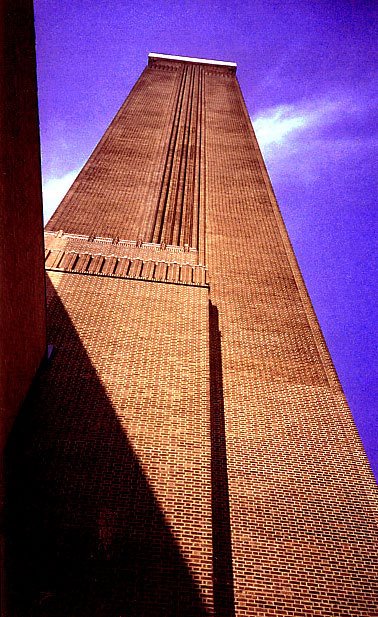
point(53, 191)
point(309, 133)
point(278, 124)
point(273, 126)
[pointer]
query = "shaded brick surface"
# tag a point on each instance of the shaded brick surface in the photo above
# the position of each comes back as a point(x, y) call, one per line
point(22, 305)
point(106, 460)
point(196, 437)
point(22, 308)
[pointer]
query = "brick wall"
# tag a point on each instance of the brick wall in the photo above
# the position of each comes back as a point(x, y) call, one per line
point(195, 449)
point(120, 420)
point(302, 495)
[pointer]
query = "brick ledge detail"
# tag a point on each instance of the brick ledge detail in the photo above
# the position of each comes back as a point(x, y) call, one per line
point(124, 267)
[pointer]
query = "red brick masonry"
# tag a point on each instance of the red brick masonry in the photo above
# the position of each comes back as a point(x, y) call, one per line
point(189, 449)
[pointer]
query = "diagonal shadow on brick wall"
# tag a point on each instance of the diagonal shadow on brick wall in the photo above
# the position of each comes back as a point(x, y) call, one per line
point(224, 602)
point(85, 534)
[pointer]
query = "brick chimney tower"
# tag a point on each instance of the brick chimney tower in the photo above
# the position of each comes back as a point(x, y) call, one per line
point(190, 451)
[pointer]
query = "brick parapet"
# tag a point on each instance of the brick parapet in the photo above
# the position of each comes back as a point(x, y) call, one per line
point(211, 67)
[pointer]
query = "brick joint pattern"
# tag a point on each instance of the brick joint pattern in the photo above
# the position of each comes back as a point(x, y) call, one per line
point(195, 449)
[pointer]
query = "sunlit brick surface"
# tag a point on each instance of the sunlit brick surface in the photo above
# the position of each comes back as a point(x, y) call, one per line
point(190, 446)
point(121, 423)
point(302, 497)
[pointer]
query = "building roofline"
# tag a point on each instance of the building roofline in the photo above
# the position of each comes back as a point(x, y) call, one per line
point(193, 60)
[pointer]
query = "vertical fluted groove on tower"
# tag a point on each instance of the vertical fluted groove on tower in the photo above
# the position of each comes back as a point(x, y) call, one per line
point(185, 199)
point(201, 173)
point(190, 213)
point(166, 177)
point(151, 213)
point(168, 222)
point(176, 195)
point(178, 209)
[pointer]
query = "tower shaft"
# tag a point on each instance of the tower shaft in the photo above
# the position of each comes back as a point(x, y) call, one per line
point(205, 461)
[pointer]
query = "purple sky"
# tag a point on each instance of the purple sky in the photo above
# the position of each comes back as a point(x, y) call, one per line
point(308, 71)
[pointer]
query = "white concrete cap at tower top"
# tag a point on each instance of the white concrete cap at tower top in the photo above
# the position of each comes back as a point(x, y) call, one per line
point(195, 60)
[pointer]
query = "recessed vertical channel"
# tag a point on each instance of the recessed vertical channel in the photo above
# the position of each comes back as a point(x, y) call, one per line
point(178, 208)
point(161, 210)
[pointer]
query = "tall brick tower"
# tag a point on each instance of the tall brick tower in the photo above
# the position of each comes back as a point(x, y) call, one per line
point(189, 450)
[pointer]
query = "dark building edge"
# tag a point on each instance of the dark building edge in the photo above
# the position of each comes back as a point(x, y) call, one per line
point(22, 307)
